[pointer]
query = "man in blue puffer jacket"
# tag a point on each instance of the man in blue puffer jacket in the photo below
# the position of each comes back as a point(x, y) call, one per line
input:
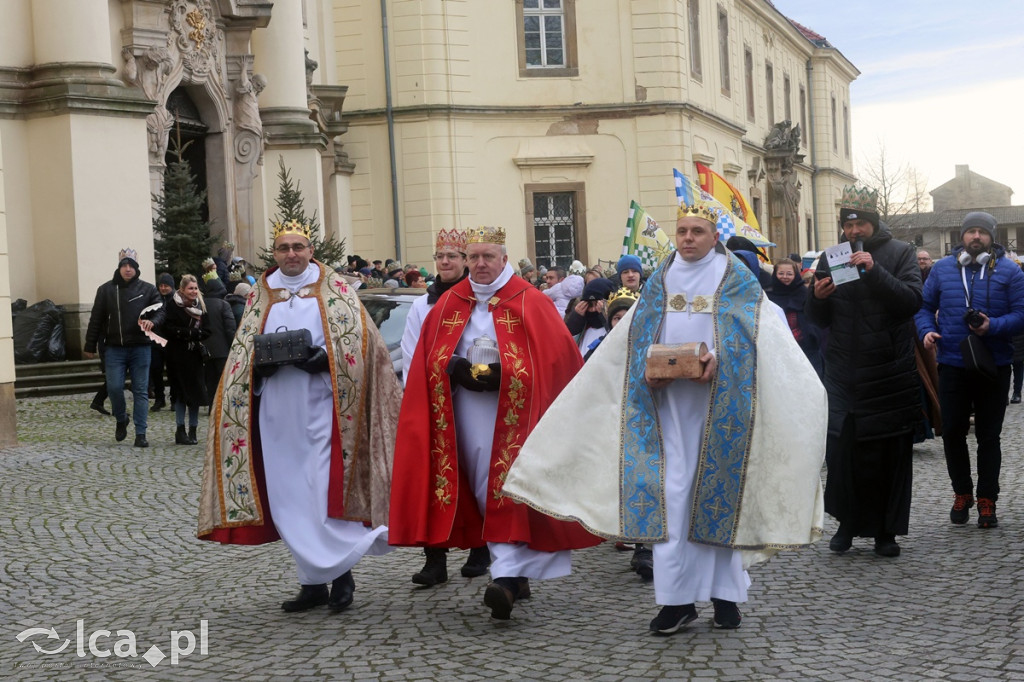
point(976, 291)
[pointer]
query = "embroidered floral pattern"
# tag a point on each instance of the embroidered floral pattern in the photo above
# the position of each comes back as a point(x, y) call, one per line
point(514, 367)
point(440, 452)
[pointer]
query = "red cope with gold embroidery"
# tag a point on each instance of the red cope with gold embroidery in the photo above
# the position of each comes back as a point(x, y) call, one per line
point(432, 503)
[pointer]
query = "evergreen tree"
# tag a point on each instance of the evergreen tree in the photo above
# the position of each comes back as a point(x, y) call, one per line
point(290, 206)
point(182, 239)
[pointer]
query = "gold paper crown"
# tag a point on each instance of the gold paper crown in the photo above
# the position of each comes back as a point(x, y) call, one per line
point(128, 253)
point(451, 240)
point(623, 298)
point(700, 209)
point(486, 235)
point(292, 227)
point(859, 199)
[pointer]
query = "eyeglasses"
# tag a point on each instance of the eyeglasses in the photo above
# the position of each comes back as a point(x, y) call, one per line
point(285, 248)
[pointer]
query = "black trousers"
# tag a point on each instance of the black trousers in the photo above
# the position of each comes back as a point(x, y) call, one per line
point(869, 482)
point(960, 392)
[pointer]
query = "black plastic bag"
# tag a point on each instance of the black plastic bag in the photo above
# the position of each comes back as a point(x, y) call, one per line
point(39, 334)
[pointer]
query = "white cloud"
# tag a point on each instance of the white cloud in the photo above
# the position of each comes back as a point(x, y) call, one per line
point(977, 125)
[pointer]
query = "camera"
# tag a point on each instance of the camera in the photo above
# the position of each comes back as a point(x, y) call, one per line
point(974, 318)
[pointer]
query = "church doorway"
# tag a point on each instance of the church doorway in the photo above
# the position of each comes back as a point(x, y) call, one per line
point(189, 131)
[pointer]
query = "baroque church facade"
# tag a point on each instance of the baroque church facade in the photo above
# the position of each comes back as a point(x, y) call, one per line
point(399, 119)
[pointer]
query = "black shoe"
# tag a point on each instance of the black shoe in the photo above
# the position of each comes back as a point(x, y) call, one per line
point(885, 545)
point(523, 587)
point(342, 590)
point(310, 596)
point(987, 513)
point(140, 441)
point(643, 562)
point(157, 406)
point(192, 435)
point(478, 562)
point(841, 541)
point(99, 408)
point(671, 618)
point(500, 596)
point(121, 431)
point(961, 508)
point(179, 436)
point(727, 614)
point(1016, 398)
point(435, 570)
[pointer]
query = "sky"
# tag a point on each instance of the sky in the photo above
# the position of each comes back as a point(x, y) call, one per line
point(941, 84)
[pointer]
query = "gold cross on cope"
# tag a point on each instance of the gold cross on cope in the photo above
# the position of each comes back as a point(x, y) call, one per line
point(452, 322)
point(509, 321)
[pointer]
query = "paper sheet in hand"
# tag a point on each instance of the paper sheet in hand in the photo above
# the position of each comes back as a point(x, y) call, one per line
point(838, 258)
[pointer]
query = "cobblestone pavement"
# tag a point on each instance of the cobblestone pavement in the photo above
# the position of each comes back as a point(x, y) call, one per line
point(102, 533)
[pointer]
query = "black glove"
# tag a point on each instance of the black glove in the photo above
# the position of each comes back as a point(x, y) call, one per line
point(264, 371)
point(492, 381)
point(461, 371)
point(316, 362)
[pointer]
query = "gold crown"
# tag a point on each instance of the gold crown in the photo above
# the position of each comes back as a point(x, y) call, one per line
point(128, 253)
point(623, 296)
point(700, 209)
point(453, 240)
point(859, 199)
point(292, 227)
point(486, 235)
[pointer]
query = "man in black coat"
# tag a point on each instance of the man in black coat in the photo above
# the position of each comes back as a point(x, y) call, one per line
point(125, 309)
point(871, 378)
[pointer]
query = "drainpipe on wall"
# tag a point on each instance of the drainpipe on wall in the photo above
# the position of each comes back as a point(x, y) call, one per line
point(390, 114)
point(814, 158)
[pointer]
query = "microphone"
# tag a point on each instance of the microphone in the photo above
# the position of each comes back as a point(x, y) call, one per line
point(859, 246)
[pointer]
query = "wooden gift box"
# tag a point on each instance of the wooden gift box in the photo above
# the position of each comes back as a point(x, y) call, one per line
point(676, 361)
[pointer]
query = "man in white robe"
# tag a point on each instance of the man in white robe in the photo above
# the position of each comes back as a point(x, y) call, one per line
point(315, 422)
point(450, 259)
point(700, 462)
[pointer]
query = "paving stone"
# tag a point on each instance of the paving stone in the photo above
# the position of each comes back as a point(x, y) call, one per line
point(101, 532)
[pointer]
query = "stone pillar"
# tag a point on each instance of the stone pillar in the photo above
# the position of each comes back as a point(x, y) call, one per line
point(71, 31)
point(284, 110)
point(87, 187)
point(8, 411)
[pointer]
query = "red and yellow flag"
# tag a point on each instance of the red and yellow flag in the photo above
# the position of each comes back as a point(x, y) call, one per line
point(720, 188)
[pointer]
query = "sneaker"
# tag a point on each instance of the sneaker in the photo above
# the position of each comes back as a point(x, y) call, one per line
point(1016, 398)
point(642, 562)
point(727, 614)
point(671, 618)
point(961, 503)
point(987, 513)
point(842, 540)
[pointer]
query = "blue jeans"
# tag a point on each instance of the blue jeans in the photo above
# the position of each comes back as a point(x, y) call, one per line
point(133, 359)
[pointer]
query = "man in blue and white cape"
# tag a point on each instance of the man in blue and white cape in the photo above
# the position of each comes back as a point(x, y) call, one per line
point(719, 472)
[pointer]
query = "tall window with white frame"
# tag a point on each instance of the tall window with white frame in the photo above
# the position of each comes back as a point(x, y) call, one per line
point(723, 49)
point(748, 83)
point(696, 69)
point(846, 130)
point(835, 131)
point(547, 37)
point(554, 228)
point(803, 116)
point(787, 97)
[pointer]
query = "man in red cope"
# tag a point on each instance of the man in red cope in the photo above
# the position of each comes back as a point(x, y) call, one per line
point(492, 355)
